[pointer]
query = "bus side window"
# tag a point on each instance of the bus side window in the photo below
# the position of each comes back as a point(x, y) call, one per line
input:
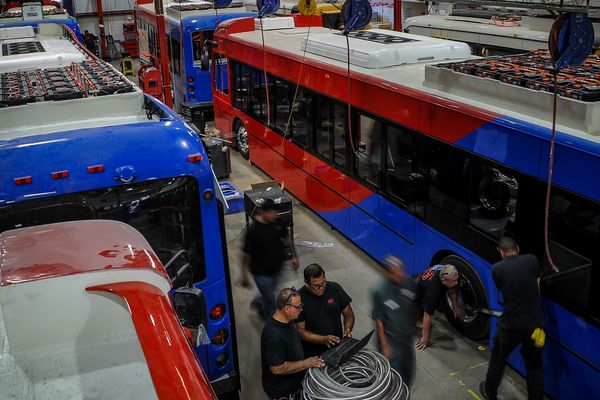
point(368, 139)
point(259, 97)
point(574, 240)
point(323, 126)
point(404, 175)
point(493, 199)
point(220, 73)
point(449, 172)
point(302, 116)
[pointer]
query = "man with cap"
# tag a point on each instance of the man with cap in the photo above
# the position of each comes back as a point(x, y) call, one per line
point(432, 285)
point(263, 257)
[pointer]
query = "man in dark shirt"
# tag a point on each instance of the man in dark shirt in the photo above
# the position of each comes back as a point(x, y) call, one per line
point(325, 304)
point(394, 315)
point(264, 255)
point(517, 278)
point(431, 287)
point(282, 358)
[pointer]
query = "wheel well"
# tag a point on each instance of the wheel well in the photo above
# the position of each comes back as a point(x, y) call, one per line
point(440, 255)
point(236, 124)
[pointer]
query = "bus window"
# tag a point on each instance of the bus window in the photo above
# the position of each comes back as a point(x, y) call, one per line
point(574, 233)
point(330, 129)
point(302, 116)
point(493, 199)
point(165, 211)
point(174, 55)
point(449, 171)
point(368, 139)
point(220, 73)
point(199, 39)
point(405, 175)
point(280, 96)
point(259, 97)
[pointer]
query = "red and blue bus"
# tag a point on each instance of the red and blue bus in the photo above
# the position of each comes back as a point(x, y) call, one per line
point(188, 26)
point(46, 12)
point(79, 141)
point(434, 162)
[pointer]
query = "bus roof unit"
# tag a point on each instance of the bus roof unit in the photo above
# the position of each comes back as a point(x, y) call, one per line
point(378, 48)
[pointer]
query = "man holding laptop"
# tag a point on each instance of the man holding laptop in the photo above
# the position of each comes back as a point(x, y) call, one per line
point(326, 304)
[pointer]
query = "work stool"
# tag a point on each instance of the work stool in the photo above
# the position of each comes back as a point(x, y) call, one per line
point(127, 66)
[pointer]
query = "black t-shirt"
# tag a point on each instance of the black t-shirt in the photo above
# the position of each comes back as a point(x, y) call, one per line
point(323, 314)
point(429, 289)
point(516, 277)
point(279, 343)
point(264, 244)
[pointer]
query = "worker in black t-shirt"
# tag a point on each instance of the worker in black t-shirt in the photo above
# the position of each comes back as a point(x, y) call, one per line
point(264, 255)
point(282, 358)
point(325, 305)
point(517, 277)
point(432, 285)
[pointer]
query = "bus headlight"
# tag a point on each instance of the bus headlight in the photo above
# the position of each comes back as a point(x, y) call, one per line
point(220, 337)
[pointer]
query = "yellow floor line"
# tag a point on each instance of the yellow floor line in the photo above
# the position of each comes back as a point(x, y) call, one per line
point(472, 393)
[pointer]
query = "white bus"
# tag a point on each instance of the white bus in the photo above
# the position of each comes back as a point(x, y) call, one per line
point(485, 36)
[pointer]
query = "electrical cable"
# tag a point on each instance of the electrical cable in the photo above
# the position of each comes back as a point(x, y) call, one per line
point(366, 376)
point(351, 138)
point(549, 185)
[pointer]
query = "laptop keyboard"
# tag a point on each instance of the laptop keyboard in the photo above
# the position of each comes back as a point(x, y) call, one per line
point(333, 355)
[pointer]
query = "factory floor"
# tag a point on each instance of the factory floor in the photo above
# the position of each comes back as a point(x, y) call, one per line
point(451, 368)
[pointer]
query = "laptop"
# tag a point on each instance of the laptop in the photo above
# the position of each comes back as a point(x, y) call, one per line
point(344, 350)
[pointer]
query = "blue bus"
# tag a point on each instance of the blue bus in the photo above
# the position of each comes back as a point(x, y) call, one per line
point(188, 25)
point(434, 161)
point(79, 141)
point(13, 16)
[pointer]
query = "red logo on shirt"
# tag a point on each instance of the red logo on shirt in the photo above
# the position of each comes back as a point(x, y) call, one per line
point(428, 274)
point(330, 301)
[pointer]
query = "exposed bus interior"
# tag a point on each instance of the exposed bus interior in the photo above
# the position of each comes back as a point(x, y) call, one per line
point(50, 79)
point(165, 211)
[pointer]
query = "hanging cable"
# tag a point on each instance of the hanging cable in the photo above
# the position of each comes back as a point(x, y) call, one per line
point(350, 136)
point(366, 376)
point(549, 185)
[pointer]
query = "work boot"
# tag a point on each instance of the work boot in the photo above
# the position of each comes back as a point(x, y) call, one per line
point(483, 393)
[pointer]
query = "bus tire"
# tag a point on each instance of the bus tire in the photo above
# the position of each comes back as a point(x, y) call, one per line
point(475, 325)
point(241, 140)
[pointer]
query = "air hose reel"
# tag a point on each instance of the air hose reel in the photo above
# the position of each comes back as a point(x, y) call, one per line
point(222, 3)
point(356, 15)
point(571, 39)
point(267, 7)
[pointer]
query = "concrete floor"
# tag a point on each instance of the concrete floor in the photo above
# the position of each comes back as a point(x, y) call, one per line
point(451, 368)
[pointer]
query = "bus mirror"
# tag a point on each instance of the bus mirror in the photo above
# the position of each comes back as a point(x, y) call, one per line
point(190, 307)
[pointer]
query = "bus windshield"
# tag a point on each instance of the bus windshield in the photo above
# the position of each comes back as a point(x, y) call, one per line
point(165, 211)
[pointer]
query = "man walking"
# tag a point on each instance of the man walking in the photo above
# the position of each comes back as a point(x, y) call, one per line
point(394, 315)
point(517, 277)
point(326, 304)
point(264, 255)
point(282, 358)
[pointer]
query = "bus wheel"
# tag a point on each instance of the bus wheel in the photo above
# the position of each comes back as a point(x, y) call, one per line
point(474, 325)
point(241, 139)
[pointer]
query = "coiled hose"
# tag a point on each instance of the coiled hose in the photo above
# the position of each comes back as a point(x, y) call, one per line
point(366, 376)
